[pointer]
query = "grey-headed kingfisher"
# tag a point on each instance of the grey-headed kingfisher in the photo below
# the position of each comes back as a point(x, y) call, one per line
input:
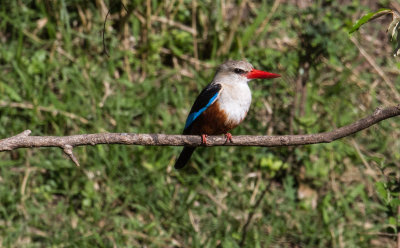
point(222, 105)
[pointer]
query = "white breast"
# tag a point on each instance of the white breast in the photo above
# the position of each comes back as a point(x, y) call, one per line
point(235, 100)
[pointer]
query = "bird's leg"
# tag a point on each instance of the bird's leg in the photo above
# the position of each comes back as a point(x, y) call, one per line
point(204, 139)
point(228, 137)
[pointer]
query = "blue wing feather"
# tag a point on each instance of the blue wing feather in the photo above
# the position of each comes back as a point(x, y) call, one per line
point(196, 114)
point(207, 97)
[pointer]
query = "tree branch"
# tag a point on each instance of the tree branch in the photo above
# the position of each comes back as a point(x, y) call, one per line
point(67, 143)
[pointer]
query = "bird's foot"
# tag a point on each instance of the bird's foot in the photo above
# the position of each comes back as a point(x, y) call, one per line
point(204, 139)
point(228, 137)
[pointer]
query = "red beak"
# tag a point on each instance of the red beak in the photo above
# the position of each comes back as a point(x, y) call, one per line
point(253, 74)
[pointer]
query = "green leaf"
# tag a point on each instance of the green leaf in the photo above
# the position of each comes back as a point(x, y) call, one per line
point(10, 92)
point(393, 26)
point(378, 160)
point(272, 163)
point(381, 189)
point(369, 17)
point(393, 223)
point(394, 32)
point(395, 203)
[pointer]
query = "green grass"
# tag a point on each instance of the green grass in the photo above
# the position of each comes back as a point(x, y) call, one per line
point(322, 195)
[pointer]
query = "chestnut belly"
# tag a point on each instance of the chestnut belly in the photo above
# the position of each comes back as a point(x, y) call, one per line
point(212, 121)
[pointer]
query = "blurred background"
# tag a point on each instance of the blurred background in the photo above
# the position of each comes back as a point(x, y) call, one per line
point(56, 79)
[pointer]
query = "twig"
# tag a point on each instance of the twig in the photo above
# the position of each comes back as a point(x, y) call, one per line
point(104, 30)
point(268, 18)
point(68, 150)
point(233, 28)
point(398, 231)
point(185, 57)
point(27, 105)
point(374, 65)
point(123, 5)
point(251, 214)
point(67, 143)
point(175, 24)
point(194, 35)
point(107, 92)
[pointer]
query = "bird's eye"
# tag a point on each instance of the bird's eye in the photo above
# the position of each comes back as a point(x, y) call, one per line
point(238, 71)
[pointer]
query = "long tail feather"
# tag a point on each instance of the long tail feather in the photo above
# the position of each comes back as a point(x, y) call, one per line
point(184, 157)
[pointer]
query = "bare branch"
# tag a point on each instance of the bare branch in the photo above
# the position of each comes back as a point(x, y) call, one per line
point(67, 143)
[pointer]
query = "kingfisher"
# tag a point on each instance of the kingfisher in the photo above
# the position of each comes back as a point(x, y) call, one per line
point(222, 105)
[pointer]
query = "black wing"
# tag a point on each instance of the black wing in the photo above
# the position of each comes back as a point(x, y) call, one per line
point(207, 97)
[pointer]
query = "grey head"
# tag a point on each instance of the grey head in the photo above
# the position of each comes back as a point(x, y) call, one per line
point(235, 66)
point(233, 71)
